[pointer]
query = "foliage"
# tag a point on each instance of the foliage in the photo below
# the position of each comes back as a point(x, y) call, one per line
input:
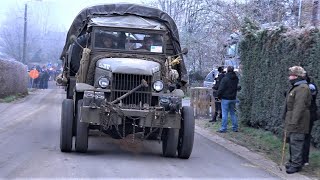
point(266, 55)
point(11, 98)
point(195, 76)
point(13, 78)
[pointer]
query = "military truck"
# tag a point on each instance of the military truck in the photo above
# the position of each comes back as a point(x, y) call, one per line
point(124, 74)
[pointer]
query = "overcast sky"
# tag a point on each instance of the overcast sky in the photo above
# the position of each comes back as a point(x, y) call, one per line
point(60, 12)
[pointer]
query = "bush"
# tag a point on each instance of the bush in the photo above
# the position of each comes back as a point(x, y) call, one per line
point(266, 55)
point(13, 78)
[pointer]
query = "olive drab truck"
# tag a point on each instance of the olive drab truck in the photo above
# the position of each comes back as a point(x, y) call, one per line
point(124, 74)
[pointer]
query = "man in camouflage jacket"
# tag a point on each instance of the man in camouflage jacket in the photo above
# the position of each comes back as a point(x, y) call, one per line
point(297, 117)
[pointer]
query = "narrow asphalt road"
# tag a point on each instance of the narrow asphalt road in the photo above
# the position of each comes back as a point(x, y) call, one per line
point(29, 143)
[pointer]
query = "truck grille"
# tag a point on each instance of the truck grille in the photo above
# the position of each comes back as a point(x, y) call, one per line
point(123, 83)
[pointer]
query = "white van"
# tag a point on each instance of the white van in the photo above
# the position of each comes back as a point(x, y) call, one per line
point(210, 81)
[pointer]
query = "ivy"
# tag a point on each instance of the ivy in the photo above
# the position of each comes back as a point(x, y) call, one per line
point(266, 55)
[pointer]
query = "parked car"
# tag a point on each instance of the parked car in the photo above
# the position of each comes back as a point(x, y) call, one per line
point(210, 81)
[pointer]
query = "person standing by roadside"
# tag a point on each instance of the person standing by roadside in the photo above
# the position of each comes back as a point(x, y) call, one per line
point(215, 89)
point(297, 117)
point(313, 117)
point(227, 92)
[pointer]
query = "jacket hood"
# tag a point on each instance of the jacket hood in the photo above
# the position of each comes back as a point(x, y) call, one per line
point(232, 75)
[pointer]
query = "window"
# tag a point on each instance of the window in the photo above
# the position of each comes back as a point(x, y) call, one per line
point(129, 41)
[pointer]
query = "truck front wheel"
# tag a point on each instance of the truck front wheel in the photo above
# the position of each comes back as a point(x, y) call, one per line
point(66, 125)
point(170, 142)
point(81, 143)
point(186, 133)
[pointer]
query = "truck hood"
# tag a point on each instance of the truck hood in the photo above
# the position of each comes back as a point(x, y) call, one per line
point(130, 65)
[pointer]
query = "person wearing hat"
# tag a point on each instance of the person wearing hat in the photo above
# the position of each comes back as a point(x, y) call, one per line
point(215, 89)
point(297, 117)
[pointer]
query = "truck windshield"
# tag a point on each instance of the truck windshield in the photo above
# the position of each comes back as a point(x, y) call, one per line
point(128, 41)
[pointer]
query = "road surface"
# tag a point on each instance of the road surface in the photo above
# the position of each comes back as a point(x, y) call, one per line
point(29, 143)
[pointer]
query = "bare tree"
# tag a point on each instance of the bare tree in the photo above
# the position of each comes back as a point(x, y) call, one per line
point(41, 38)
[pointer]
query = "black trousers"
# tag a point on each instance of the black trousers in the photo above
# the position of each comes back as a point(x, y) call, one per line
point(307, 141)
point(217, 111)
point(296, 145)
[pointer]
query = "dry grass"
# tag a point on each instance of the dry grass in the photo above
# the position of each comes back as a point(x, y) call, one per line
point(264, 142)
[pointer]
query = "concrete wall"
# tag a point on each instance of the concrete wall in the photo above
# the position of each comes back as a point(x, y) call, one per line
point(13, 78)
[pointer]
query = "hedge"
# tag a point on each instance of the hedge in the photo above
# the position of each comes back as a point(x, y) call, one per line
point(266, 55)
point(13, 78)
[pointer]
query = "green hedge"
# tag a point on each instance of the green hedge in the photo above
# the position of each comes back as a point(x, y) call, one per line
point(266, 55)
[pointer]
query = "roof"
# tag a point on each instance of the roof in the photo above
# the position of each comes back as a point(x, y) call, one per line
point(129, 21)
point(81, 21)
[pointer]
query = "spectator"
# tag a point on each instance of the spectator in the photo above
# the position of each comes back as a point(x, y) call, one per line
point(227, 92)
point(45, 79)
point(297, 117)
point(215, 88)
point(313, 117)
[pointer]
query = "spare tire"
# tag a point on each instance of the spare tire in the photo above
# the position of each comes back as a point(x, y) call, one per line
point(76, 53)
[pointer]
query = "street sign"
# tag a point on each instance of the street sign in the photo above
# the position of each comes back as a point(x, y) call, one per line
point(34, 74)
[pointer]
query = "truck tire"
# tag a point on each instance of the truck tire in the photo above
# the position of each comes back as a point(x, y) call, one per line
point(79, 96)
point(186, 133)
point(170, 142)
point(81, 143)
point(66, 125)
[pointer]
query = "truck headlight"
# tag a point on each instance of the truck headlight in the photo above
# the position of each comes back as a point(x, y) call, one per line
point(104, 82)
point(158, 86)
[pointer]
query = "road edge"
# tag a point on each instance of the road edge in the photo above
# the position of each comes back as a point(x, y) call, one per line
point(252, 157)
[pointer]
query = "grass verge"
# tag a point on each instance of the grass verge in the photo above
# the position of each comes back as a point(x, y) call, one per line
point(12, 98)
point(263, 142)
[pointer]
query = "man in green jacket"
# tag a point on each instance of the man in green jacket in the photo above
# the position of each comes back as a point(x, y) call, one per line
point(297, 117)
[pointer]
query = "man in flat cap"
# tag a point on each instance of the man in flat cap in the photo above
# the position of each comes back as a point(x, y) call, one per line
point(297, 117)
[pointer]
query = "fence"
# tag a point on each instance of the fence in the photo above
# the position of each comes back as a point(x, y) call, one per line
point(202, 101)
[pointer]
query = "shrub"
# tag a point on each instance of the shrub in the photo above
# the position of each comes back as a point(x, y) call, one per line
point(266, 55)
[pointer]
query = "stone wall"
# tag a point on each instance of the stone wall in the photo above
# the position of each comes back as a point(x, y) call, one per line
point(13, 78)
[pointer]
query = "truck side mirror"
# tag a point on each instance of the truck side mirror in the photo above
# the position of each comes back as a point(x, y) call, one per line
point(185, 51)
point(73, 38)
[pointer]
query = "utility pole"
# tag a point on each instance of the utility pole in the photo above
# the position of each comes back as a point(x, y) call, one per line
point(25, 33)
point(299, 16)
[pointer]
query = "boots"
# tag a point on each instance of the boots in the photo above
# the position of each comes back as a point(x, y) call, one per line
point(214, 118)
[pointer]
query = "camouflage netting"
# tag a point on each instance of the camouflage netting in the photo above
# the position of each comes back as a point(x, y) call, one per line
point(266, 55)
point(13, 78)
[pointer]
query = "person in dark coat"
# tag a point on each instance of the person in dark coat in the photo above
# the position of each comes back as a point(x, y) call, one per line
point(297, 117)
point(227, 92)
point(313, 117)
point(215, 89)
point(45, 78)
